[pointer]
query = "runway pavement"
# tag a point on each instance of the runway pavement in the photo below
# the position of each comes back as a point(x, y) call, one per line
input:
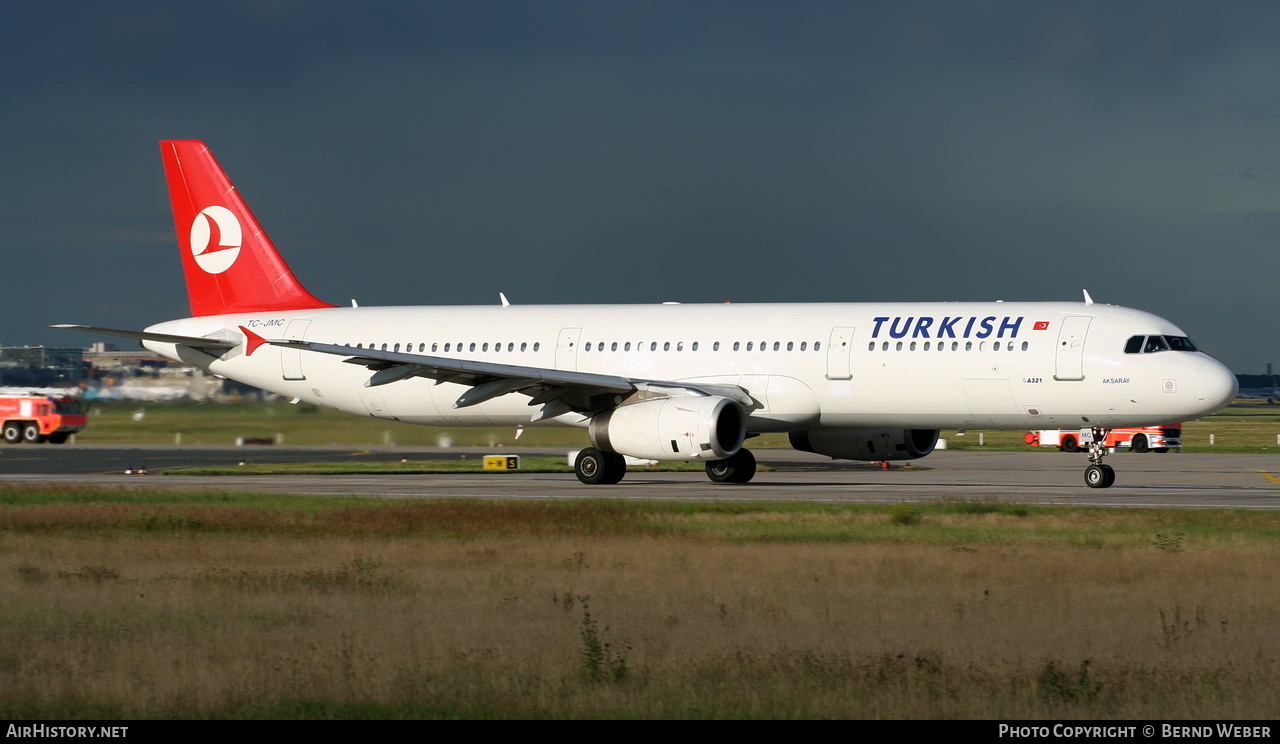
point(1143, 480)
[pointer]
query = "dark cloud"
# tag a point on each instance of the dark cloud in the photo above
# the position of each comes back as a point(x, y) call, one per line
point(409, 152)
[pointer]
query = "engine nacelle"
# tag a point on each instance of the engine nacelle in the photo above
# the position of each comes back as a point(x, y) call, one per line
point(685, 427)
point(867, 444)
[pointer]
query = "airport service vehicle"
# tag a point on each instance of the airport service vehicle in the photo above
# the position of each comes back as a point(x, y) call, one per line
point(38, 418)
point(1139, 438)
point(692, 382)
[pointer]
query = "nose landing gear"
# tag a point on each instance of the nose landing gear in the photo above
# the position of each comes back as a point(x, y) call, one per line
point(1098, 475)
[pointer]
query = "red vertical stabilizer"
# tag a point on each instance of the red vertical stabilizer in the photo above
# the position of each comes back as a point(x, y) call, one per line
point(229, 262)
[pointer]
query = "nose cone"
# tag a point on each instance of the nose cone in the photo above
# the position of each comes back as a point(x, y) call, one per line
point(1215, 387)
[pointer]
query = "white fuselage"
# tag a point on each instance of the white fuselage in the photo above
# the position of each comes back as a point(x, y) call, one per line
point(1005, 365)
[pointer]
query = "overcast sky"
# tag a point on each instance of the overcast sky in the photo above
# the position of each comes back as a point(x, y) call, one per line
point(424, 152)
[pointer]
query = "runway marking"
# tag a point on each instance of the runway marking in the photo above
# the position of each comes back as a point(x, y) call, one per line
point(1268, 476)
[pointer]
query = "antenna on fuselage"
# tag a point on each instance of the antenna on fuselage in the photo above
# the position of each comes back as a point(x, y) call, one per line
point(1087, 299)
point(505, 302)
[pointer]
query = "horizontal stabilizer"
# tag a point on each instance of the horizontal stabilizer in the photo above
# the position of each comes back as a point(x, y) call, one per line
point(196, 342)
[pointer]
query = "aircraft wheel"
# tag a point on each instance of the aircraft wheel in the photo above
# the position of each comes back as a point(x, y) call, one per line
point(13, 432)
point(740, 468)
point(1070, 444)
point(615, 468)
point(1139, 443)
point(594, 467)
point(1099, 476)
point(31, 433)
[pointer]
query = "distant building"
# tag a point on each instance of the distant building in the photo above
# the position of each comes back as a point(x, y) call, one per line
point(107, 359)
point(41, 366)
point(104, 372)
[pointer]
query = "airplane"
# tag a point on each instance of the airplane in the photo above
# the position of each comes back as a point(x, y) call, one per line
point(671, 381)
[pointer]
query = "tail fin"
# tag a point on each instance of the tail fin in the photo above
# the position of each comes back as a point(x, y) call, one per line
point(228, 260)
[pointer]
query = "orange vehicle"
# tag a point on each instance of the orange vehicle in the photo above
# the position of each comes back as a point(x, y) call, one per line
point(38, 418)
point(1139, 439)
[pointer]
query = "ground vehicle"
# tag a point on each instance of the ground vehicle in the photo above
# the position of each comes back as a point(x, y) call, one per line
point(39, 418)
point(1140, 439)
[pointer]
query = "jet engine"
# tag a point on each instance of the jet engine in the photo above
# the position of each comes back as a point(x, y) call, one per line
point(685, 427)
point(867, 444)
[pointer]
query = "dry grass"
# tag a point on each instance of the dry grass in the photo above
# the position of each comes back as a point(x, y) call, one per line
point(607, 610)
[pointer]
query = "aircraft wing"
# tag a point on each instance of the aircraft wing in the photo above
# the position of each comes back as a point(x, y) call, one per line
point(559, 391)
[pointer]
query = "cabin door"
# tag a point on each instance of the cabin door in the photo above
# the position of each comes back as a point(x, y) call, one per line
point(1070, 352)
point(291, 359)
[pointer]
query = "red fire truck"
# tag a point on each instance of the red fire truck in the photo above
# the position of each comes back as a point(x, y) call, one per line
point(38, 418)
point(1139, 439)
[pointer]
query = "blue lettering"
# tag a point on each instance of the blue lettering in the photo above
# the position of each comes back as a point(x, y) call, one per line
point(945, 327)
point(1010, 324)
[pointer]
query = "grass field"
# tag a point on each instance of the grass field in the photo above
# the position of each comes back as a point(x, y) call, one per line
point(128, 604)
point(1240, 429)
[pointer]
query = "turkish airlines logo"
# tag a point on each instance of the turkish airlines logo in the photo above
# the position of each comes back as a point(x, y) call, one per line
point(215, 239)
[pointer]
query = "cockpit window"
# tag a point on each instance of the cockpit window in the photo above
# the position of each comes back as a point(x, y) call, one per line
point(1155, 344)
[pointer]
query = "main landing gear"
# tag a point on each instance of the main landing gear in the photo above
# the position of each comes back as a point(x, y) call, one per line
point(596, 467)
point(740, 468)
point(1098, 475)
point(599, 468)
